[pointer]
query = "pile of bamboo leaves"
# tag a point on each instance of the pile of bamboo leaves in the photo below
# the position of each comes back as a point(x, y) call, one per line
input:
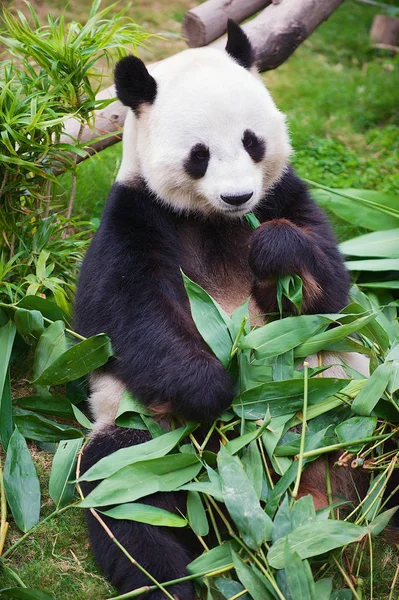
point(259, 540)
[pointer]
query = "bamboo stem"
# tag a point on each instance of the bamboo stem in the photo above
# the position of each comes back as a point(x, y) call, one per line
point(303, 432)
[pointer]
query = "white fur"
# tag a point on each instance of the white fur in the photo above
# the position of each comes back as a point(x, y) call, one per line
point(106, 394)
point(205, 97)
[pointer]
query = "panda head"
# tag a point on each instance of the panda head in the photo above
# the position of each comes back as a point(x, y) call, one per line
point(203, 132)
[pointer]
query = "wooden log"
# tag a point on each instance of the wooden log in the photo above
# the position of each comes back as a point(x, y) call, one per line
point(280, 28)
point(208, 21)
point(385, 30)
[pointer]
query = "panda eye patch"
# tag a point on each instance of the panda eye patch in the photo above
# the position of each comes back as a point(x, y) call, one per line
point(197, 162)
point(253, 145)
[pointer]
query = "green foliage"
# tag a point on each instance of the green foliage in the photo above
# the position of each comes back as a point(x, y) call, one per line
point(54, 76)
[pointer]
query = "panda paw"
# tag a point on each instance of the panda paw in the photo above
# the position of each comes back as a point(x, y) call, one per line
point(204, 391)
point(277, 248)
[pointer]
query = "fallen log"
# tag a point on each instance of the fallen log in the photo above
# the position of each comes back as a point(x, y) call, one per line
point(280, 28)
point(208, 21)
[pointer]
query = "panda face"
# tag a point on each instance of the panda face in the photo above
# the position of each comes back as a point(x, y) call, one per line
point(211, 140)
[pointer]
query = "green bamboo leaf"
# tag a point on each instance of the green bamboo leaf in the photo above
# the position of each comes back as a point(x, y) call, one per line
point(284, 397)
point(323, 589)
point(381, 521)
point(144, 513)
point(56, 406)
point(25, 594)
point(380, 243)
point(212, 560)
point(7, 335)
point(283, 335)
point(29, 322)
point(124, 457)
point(252, 463)
point(377, 264)
point(6, 412)
point(368, 208)
point(51, 345)
point(41, 429)
point(250, 580)
point(63, 470)
point(229, 588)
point(21, 483)
point(210, 319)
point(372, 390)
point(77, 361)
point(164, 474)
point(49, 309)
point(299, 575)
point(242, 502)
point(355, 428)
point(322, 340)
point(196, 514)
point(373, 498)
point(308, 540)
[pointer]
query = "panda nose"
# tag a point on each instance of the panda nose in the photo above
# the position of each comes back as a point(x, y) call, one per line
point(237, 200)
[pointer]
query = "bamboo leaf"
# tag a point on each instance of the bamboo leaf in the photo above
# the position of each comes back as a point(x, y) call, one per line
point(284, 397)
point(379, 243)
point(376, 264)
point(144, 513)
point(144, 478)
point(210, 319)
point(29, 322)
point(77, 361)
point(372, 390)
point(250, 580)
point(51, 345)
point(242, 502)
point(25, 594)
point(196, 514)
point(299, 575)
point(283, 335)
point(62, 471)
point(21, 483)
point(124, 457)
point(309, 540)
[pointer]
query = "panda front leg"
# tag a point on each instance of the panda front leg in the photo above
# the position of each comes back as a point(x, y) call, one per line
point(164, 554)
point(281, 247)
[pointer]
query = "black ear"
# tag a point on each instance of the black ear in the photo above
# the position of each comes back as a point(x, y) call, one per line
point(239, 46)
point(134, 85)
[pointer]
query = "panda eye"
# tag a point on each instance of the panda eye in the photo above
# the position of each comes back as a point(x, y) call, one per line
point(196, 163)
point(200, 153)
point(248, 141)
point(253, 145)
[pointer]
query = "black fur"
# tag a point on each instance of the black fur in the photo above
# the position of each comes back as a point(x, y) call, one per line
point(239, 46)
point(163, 551)
point(197, 161)
point(295, 237)
point(255, 146)
point(133, 83)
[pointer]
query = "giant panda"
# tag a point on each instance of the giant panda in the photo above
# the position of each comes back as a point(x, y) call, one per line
point(203, 145)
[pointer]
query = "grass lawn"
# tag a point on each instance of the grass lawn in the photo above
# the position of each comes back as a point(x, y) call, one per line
point(342, 102)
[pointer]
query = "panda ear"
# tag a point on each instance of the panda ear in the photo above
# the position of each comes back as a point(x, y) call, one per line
point(238, 45)
point(134, 85)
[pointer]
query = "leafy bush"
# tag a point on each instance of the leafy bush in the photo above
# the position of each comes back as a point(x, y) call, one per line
point(53, 77)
